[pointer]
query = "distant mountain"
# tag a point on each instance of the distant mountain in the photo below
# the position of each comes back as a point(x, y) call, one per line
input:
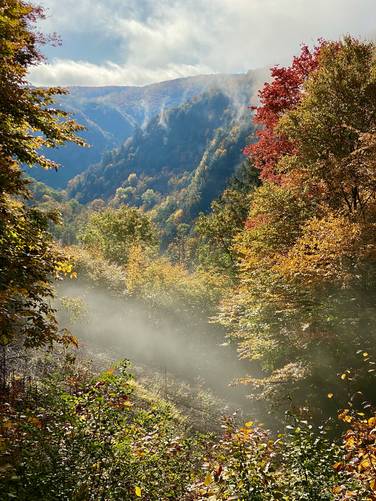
point(171, 145)
point(106, 129)
point(182, 159)
point(114, 114)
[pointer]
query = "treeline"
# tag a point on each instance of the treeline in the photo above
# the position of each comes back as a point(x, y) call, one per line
point(285, 261)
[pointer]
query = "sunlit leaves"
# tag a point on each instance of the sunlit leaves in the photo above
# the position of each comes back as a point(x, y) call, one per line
point(359, 463)
point(307, 254)
point(248, 463)
point(112, 232)
point(92, 437)
point(163, 284)
point(208, 480)
point(320, 252)
point(28, 264)
point(29, 120)
point(333, 127)
point(138, 491)
point(29, 261)
point(277, 97)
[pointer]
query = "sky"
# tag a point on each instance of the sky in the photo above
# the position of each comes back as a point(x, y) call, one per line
point(138, 42)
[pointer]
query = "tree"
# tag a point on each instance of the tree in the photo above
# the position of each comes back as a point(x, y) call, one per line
point(216, 231)
point(333, 129)
point(307, 256)
point(29, 260)
point(150, 198)
point(277, 97)
point(113, 232)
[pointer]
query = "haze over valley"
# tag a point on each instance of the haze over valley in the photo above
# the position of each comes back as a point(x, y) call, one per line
point(187, 250)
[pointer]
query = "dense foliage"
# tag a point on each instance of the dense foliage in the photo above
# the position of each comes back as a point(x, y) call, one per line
point(112, 233)
point(305, 301)
point(216, 231)
point(77, 435)
point(280, 95)
point(285, 261)
point(87, 437)
point(29, 260)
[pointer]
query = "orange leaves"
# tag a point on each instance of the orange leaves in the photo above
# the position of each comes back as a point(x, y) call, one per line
point(360, 456)
point(307, 254)
point(345, 416)
point(68, 339)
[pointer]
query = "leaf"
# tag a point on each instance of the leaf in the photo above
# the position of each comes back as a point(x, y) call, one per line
point(372, 422)
point(364, 465)
point(350, 441)
point(35, 422)
point(208, 480)
point(138, 491)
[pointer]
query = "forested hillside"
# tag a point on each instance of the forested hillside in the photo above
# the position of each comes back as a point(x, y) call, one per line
point(111, 115)
point(105, 129)
point(194, 324)
point(181, 160)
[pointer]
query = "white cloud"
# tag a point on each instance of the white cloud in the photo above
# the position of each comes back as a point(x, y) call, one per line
point(159, 38)
point(67, 72)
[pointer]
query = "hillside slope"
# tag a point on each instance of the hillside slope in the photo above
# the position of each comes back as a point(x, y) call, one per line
point(182, 159)
point(112, 114)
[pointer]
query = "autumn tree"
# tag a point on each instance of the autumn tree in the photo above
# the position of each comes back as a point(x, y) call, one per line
point(333, 129)
point(280, 95)
point(307, 256)
point(28, 122)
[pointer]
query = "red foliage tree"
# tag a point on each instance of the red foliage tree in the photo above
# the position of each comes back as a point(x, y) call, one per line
point(277, 97)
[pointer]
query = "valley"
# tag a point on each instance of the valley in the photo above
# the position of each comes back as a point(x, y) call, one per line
point(187, 268)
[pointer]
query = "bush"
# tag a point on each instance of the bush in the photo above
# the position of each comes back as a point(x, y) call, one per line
point(80, 437)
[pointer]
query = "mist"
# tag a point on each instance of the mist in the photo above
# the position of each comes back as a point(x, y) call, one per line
point(175, 343)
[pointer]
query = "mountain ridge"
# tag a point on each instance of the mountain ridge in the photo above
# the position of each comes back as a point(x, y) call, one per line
point(112, 114)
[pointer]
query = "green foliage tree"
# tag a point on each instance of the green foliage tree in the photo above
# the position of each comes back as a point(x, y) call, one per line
point(150, 197)
point(113, 232)
point(72, 213)
point(216, 231)
point(28, 121)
